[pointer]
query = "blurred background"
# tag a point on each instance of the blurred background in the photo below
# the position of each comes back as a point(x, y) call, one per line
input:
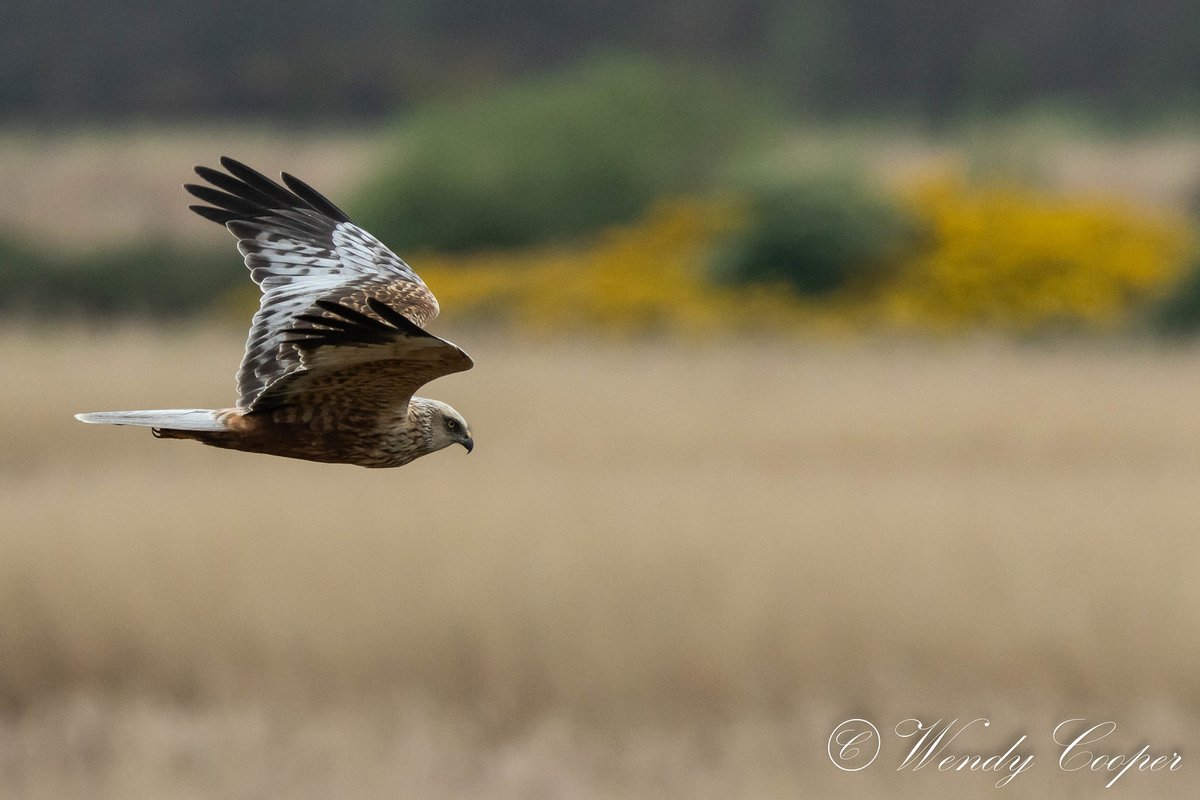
point(834, 359)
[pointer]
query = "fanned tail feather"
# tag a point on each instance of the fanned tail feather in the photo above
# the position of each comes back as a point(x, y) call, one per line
point(179, 419)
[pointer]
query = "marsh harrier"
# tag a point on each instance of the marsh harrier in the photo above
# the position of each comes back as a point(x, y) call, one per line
point(338, 345)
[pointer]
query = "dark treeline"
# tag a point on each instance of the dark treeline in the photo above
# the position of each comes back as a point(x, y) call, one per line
point(77, 60)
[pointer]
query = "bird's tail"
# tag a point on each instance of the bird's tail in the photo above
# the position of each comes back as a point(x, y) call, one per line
point(163, 421)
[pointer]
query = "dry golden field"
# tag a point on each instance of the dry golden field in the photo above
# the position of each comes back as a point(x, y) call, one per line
point(668, 570)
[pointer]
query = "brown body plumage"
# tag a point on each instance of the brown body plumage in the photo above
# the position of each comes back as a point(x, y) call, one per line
point(367, 440)
point(337, 347)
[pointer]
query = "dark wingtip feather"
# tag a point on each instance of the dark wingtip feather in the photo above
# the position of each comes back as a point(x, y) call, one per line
point(239, 205)
point(217, 215)
point(234, 186)
point(233, 166)
point(318, 201)
point(245, 194)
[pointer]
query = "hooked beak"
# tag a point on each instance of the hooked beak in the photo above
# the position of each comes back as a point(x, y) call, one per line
point(468, 444)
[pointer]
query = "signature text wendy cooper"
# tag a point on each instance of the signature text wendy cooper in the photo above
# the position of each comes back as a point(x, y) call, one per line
point(855, 744)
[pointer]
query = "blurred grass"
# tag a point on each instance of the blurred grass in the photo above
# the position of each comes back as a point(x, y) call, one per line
point(669, 568)
point(665, 569)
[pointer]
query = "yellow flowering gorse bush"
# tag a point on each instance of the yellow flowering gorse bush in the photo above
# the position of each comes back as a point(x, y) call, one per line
point(994, 257)
point(1007, 258)
point(646, 277)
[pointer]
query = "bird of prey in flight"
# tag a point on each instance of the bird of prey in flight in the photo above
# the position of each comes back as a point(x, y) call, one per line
point(337, 347)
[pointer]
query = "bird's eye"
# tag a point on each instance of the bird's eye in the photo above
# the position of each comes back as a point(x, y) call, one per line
point(451, 424)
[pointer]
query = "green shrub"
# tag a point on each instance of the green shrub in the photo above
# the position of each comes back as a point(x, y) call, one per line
point(817, 234)
point(557, 156)
point(154, 279)
point(1178, 314)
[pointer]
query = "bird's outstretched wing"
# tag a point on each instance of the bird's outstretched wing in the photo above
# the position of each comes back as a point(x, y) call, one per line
point(358, 364)
point(315, 267)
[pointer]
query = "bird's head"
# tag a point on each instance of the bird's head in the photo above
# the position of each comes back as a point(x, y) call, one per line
point(445, 426)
